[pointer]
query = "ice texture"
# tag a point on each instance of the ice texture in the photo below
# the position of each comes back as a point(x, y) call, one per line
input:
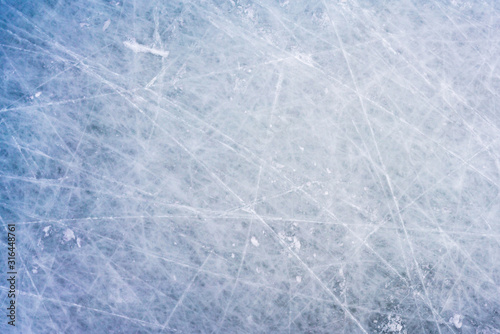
point(267, 166)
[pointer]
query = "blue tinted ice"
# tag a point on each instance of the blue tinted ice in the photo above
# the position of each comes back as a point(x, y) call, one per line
point(251, 166)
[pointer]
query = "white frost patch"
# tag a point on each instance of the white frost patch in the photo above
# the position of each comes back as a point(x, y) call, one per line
point(46, 229)
point(395, 325)
point(304, 58)
point(250, 13)
point(136, 47)
point(78, 242)
point(296, 243)
point(298, 279)
point(68, 235)
point(38, 94)
point(456, 320)
point(106, 25)
point(254, 241)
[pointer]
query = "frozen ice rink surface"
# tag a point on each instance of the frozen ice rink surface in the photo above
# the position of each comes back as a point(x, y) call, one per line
point(251, 166)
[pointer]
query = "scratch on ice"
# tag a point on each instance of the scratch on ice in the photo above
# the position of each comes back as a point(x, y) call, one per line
point(136, 47)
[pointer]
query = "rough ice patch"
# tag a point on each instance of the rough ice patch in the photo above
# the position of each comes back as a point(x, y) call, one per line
point(68, 235)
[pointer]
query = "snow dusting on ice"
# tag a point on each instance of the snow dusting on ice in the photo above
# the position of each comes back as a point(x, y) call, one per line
point(251, 166)
point(68, 235)
point(254, 241)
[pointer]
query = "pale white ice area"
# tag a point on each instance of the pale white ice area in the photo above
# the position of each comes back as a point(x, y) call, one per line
point(267, 166)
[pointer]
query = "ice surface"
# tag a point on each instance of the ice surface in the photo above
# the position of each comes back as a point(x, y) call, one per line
point(252, 166)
